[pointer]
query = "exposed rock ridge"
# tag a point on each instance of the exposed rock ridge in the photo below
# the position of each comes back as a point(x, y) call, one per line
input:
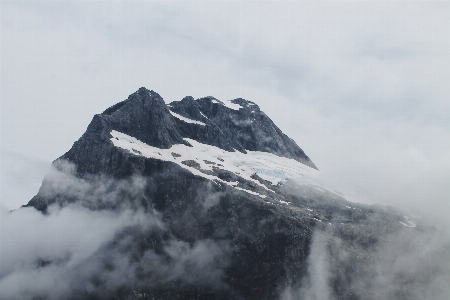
point(145, 116)
point(244, 127)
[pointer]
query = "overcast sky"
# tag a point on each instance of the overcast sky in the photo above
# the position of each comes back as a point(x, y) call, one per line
point(362, 87)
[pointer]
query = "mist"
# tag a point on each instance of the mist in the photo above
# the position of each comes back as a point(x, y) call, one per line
point(79, 248)
point(410, 263)
point(405, 265)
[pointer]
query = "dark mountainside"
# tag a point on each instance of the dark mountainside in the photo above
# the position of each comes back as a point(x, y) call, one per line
point(226, 238)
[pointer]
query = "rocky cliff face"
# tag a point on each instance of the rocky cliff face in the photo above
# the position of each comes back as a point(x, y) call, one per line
point(238, 126)
point(217, 175)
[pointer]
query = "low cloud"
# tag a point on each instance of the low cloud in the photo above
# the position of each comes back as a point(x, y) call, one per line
point(406, 265)
point(78, 249)
point(409, 263)
point(20, 178)
point(94, 191)
point(316, 285)
point(39, 253)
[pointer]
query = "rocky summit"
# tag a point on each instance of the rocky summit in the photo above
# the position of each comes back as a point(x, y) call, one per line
point(233, 214)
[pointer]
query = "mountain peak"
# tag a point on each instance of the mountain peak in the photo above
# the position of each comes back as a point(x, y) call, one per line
point(141, 96)
point(237, 124)
point(232, 125)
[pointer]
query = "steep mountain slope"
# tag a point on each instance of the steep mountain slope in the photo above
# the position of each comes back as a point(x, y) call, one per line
point(217, 175)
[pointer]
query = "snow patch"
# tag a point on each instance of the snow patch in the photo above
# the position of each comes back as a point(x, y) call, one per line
point(186, 119)
point(268, 166)
point(273, 176)
point(231, 105)
point(319, 189)
point(227, 103)
point(250, 192)
point(235, 162)
point(411, 224)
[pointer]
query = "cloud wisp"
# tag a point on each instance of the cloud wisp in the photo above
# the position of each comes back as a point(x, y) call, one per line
point(405, 265)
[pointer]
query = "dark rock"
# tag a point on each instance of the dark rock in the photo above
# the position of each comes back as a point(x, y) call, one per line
point(245, 129)
point(191, 163)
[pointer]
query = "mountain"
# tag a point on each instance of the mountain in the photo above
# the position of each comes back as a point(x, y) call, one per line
point(218, 176)
point(145, 122)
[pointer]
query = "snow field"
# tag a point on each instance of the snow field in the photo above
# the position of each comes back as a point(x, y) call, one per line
point(186, 119)
point(266, 165)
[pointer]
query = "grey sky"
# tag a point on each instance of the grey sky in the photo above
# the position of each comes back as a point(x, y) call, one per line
point(363, 87)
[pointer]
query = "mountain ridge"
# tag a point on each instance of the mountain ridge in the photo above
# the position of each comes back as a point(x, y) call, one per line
point(222, 124)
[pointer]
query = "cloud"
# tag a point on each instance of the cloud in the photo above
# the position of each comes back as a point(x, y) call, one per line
point(209, 197)
point(65, 240)
point(20, 178)
point(316, 285)
point(400, 164)
point(81, 247)
point(63, 185)
point(404, 265)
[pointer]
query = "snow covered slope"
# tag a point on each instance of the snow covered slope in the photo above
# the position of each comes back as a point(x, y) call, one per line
point(267, 166)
